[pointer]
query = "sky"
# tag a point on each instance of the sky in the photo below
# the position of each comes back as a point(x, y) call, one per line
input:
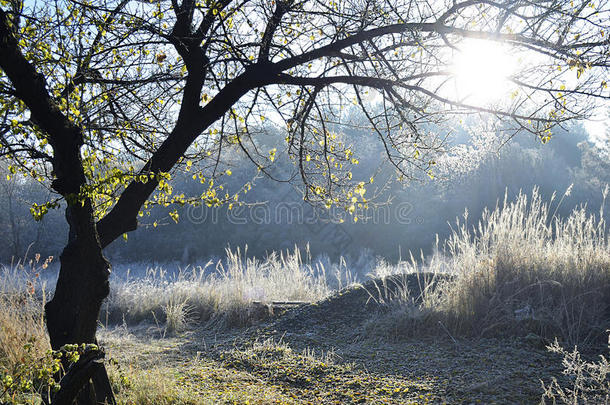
point(597, 126)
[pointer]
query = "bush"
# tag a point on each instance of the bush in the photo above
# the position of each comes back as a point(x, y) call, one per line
point(590, 381)
point(29, 378)
point(33, 377)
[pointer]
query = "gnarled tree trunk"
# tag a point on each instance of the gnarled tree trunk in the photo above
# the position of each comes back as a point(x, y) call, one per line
point(82, 285)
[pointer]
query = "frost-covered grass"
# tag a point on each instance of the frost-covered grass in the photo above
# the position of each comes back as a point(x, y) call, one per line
point(223, 290)
point(520, 269)
point(590, 380)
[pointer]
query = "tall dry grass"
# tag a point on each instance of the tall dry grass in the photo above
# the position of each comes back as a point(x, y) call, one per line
point(22, 294)
point(223, 291)
point(520, 269)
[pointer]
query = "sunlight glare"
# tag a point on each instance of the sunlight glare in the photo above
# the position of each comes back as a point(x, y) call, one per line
point(481, 70)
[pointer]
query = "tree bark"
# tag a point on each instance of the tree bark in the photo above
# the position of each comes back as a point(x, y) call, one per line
point(82, 285)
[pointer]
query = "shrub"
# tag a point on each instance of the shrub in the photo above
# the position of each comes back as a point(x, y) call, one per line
point(33, 378)
point(590, 381)
point(30, 377)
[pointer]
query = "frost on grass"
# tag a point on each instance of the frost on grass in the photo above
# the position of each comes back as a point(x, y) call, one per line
point(523, 255)
point(225, 291)
point(589, 380)
point(520, 269)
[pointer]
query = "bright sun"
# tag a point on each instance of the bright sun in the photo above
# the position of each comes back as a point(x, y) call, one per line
point(481, 70)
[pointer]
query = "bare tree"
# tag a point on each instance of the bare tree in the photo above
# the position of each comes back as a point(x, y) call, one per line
point(103, 99)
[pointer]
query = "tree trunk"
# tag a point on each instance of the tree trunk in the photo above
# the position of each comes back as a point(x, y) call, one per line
point(82, 285)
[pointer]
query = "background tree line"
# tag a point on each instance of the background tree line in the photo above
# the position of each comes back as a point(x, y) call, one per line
point(280, 219)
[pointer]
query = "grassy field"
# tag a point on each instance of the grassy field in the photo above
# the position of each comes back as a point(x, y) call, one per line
point(474, 323)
